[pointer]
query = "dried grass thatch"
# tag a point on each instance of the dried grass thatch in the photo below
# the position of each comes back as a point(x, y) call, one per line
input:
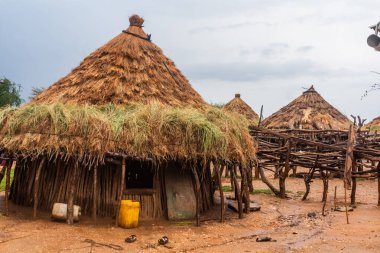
point(374, 125)
point(128, 69)
point(237, 105)
point(143, 131)
point(308, 111)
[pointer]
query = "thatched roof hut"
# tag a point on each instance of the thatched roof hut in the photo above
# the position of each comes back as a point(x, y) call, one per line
point(308, 111)
point(374, 125)
point(124, 124)
point(238, 105)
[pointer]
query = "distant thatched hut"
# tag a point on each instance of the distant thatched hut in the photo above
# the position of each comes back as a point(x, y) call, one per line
point(124, 124)
point(374, 125)
point(237, 105)
point(308, 111)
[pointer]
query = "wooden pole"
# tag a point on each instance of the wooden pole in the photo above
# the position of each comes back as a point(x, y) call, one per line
point(349, 158)
point(257, 172)
point(244, 179)
point(345, 204)
point(325, 179)
point(197, 196)
point(95, 194)
point(250, 178)
point(261, 116)
point(219, 177)
point(36, 185)
point(238, 195)
point(266, 181)
point(229, 169)
point(378, 184)
point(7, 186)
point(335, 198)
point(121, 190)
point(353, 189)
point(70, 202)
point(3, 172)
point(348, 165)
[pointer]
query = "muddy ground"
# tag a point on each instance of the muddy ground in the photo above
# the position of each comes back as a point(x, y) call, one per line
point(285, 221)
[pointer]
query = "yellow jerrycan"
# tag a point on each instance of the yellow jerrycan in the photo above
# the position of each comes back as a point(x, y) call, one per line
point(129, 214)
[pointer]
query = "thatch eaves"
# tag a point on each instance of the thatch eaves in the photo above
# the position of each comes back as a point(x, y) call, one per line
point(128, 69)
point(237, 105)
point(155, 131)
point(308, 111)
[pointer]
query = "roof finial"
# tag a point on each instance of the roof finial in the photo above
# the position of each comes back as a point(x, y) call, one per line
point(311, 89)
point(136, 20)
point(237, 95)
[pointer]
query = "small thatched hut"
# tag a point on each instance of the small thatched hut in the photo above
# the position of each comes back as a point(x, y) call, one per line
point(308, 111)
point(374, 125)
point(237, 105)
point(124, 124)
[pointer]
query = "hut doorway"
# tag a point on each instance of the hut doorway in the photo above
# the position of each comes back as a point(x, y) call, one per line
point(180, 196)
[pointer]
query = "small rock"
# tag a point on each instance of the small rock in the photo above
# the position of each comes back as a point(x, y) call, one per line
point(265, 239)
point(343, 209)
point(311, 215)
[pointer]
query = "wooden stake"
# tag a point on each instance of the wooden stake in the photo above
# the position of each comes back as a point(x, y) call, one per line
point(229, 169)
point(257, 172)
point(348, 165)
point(250, 179)
point(197, 195)
point(36, 185)
point(221, 193)
point(335, 198)
point(7, 186)
point(3, 172)
point(238, 195)
point(345, 204)
point(325, 190)
point(246, 190)
point(70, 202)
point(95, 194)
point(325, 179)
point(378, 184)
point(349, 158)
point(121, 190)
point(353, 189)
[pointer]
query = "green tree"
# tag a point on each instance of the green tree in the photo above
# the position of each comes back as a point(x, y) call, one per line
point(9, 93)
point(36, 91)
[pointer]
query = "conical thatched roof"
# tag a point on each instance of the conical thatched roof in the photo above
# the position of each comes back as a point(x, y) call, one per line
point(308, 111)
point(127, 69)
point(239, 106)
point(374, 124)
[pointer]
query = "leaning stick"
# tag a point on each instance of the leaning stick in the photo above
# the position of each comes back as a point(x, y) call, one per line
point(36, 185)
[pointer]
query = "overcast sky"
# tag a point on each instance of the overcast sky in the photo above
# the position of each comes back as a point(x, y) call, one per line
point(266, 50)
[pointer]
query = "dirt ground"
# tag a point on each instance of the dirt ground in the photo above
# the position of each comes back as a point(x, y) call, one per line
point(284, 220)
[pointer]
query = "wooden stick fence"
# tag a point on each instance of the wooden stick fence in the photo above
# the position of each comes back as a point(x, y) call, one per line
point(321, 151)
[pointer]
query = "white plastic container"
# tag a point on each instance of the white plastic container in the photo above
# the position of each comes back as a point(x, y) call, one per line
point(59, 212)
